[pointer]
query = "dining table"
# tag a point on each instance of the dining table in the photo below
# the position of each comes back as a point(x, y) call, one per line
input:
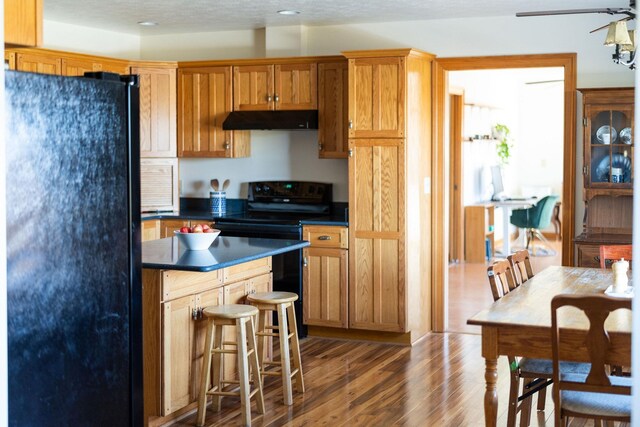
point(519, 324)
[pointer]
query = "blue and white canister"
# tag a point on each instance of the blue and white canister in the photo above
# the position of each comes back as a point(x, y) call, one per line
point(218, 202)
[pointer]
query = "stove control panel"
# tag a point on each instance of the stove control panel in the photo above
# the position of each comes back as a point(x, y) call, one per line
point(290, 191)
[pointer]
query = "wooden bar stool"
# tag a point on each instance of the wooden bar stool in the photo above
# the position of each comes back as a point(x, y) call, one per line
point(282, 303)
point(240, 316)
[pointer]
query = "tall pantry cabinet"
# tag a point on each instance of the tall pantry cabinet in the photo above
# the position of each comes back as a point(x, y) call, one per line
point(389, 191)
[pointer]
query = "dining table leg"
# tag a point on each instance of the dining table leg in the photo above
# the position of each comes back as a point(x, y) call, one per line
point(490, 354)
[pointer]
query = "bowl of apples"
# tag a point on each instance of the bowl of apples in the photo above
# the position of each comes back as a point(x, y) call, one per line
point(197, 237)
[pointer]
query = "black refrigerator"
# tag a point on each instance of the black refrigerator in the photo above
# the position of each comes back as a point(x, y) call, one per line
point(74, 315)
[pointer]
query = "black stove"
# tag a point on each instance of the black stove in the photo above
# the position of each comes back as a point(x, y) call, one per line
point(274, 211)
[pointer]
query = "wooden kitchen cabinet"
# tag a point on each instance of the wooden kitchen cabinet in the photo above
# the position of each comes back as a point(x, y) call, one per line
point(157, 111)
point(324, 276)
point(150, 230)
point(10, 59)
point(77, 67)
point(168, 226)
point(288, 86)
point(333, 101)
point(389, 192)
point(608, 145)
point(204, 102)
point(159, 185)
point(23, 22)
point(377, 97)
point(38, 62)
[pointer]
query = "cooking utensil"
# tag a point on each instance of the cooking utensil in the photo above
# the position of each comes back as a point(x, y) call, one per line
point(215, 184)
point(225, 184)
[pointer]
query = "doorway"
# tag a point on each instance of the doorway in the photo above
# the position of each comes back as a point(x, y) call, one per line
point(441, 159)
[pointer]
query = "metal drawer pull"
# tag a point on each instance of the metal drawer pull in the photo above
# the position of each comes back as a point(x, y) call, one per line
point(324, 237)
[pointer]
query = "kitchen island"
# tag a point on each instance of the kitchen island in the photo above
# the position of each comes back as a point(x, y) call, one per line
point(177, 284)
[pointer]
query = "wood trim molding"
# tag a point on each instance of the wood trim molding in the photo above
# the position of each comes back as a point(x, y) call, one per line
point(439, 181)
point(261, 61)
point(387, 53)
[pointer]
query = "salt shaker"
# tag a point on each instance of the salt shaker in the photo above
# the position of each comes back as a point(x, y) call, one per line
point(620, 278)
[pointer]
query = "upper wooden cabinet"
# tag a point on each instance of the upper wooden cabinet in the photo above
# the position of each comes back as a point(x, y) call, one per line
point(10, 59)
point(389, 191)
point(23, 22)
point(204, 101)
point(38, 62)
point(377, 97)
point(157, 111)
point(275, 87)
point(77, 67)
point(333, 94)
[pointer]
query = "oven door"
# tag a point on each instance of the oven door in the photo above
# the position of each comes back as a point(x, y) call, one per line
point(286, 267)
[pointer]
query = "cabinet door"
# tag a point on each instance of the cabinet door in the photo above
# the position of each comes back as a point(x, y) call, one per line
point(295, 87)
point(377, 97)
point(10, 59)
point(203, 300)
point(168, 226)
point(177, 353)
point(325, 287)
point(204, 102)
point(150, 230)
point(376, 235)
point(38, 63)
point(157, 111)
point(118, 67)
point(77, 67)
point(159, 185)
point(333, 81)
point(23, 22)
point(253, 87)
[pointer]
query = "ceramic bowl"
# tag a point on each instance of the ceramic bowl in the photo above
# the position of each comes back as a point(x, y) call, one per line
point(197, 241)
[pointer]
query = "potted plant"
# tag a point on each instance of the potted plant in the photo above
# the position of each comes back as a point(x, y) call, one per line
point(503, 148)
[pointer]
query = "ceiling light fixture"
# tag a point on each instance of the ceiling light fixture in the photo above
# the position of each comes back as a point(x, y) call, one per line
point(147, 23)
point(289, 12)
point(625, 42)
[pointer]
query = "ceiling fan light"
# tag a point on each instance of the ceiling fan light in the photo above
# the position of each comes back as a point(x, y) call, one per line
point(632, 46)
point(617, 34)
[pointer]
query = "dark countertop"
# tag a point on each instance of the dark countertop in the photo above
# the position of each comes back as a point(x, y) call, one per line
point(169, 254)
point(335, 220)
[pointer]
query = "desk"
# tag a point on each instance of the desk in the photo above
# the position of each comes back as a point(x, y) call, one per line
point(507, 206)
point(519, 324)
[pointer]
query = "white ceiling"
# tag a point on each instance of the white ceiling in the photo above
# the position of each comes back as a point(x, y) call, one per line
point(189, 16)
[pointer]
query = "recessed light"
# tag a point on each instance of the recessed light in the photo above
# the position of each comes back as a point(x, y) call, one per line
point(288, 12)
point(147, 23)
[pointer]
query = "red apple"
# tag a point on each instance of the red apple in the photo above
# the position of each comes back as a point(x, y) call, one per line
point(196, 228)
point(210, 230)
point(185, 230)
point(205, 227)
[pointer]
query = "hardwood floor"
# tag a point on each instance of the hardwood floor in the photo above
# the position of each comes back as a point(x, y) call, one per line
point(437, 382)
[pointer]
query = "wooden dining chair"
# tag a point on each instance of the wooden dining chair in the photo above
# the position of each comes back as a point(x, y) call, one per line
point(521, 266)
point(596, 395)
point(613, 253)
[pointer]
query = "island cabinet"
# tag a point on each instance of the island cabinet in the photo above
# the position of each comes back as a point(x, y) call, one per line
point(333, 82)
point(23, 22)
point(157, 110)
point(608, 143)
point(174, 329)
point(390, 191)
point(204, 101)
point(285, 86)
point(324, 280)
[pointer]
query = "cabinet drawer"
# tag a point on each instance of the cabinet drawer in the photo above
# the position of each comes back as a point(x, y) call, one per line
point(588, 255)
point(247, 270)
point(176, 284)
point(326, 236)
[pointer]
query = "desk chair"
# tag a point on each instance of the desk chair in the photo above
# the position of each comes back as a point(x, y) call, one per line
point(598, 395)
point(612, 253)
point(533, 220)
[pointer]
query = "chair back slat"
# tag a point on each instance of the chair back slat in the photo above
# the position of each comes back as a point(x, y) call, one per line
point(614, 253)
point(521, 265)
point(597, 309)
point(500, 279)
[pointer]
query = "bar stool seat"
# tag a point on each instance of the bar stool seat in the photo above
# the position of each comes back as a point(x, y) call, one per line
point(287, 333)
point(240, 316)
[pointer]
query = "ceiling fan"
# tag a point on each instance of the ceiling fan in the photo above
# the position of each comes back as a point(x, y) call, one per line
point(617, 36)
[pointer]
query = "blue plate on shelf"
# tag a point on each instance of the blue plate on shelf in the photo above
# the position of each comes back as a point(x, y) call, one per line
point(618, 161)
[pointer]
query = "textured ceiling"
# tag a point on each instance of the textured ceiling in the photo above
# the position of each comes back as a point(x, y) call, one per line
point(186, 16)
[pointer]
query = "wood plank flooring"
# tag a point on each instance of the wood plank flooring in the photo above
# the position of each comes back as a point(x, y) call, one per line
point(437, 382)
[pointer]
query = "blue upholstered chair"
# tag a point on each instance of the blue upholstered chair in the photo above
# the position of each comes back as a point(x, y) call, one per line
point(534, 219)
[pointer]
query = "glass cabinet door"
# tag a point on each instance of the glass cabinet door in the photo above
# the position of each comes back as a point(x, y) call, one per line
point(610, 152)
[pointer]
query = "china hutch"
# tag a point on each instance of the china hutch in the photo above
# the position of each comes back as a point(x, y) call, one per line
point(607, 171)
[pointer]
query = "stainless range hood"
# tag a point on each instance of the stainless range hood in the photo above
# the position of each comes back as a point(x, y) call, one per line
point(271, 120)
